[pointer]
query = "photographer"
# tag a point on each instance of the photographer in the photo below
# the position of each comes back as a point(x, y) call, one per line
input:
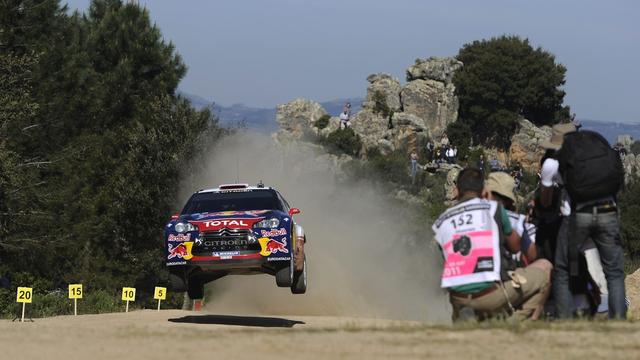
point(477, 241)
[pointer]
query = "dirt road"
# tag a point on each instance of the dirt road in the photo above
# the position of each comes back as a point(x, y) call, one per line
point(187, 335)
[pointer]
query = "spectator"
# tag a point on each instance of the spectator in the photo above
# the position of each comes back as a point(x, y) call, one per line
point(593, 220)
point(481, 163)
point(450, 155)
point(444, 140)
point(430, 150)
point(494, 164)
point(414, 165)
point(455, 154)
point(474, 281)
point(344, 119)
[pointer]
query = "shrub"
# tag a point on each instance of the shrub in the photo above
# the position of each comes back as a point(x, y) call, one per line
point(322, 122)
point(380, 104)
point(343, 140)
point(635, 147)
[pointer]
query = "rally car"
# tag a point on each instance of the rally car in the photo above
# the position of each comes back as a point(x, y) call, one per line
point(235, 229)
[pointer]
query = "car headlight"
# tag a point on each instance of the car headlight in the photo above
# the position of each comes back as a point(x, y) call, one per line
point(268, 223)
point(183, 227)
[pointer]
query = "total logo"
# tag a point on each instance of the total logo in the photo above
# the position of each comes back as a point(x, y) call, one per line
point(270, 246)
point(227, 223)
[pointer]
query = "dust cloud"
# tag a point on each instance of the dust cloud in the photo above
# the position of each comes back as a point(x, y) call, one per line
point(362, 259)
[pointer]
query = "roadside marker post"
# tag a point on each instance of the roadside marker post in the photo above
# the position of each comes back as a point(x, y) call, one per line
point(24, 296)
point(75, 293)
point(160, 294)
point(128, 294)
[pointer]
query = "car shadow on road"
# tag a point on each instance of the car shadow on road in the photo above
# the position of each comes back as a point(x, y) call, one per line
point(256, 321)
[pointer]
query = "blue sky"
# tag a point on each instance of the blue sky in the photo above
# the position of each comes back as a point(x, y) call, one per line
point(266, 52)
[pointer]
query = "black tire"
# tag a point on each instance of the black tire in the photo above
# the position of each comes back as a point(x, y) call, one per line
point(177, 283)
point(299, 284)
point(195, 289)
point(284, 276)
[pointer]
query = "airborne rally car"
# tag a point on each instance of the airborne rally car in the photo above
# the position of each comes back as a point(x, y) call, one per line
point(235, 229)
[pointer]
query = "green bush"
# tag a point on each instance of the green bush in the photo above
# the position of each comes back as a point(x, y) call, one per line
point(629, 202)
point(322, 122)
point(343, 141)
point(380, 104)
point(635, 147)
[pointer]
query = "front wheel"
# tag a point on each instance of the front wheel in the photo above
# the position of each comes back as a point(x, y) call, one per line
point(284, 276)
point(195, 289)
point(299, 283)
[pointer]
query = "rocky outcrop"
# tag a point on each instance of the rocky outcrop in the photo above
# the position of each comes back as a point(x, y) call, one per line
point(388, 87)
point(625, 140)
point(433, 101)
point(525, 145)
point(434, 68)
point(297, 118)
point(632, 286)
point(409, 114)
point(631, 164)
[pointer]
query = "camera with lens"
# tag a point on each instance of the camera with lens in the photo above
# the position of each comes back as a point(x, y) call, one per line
point(462, 245)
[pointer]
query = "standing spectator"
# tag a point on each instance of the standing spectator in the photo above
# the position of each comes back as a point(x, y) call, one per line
point(495, 164)
point(347, 108)
point(444, 140)
point(594, 217)
point(450, 155)
point(481, 164)
point(430, 150)
point(414, 165)
point(438, 155)
point(455, 154)
point(344, 119)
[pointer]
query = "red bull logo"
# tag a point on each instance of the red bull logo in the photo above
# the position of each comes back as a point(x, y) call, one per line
point(269, 246)
point(179, 237)
point(180, 251)
point(274, 232)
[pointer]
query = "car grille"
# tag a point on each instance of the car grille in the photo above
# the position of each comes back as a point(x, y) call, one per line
point(226, 240)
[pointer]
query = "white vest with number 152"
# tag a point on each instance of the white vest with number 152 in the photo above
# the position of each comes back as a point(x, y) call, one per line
point(470, 241)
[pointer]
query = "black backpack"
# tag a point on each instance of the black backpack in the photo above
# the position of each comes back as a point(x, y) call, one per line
point(590, 168)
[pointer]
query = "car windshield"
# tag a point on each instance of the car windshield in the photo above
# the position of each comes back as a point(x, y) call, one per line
point(232, 201)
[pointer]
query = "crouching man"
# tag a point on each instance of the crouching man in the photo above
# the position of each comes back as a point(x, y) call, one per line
point(477, 243)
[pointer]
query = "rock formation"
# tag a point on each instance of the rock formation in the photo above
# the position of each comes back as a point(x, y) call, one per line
point(525, 145)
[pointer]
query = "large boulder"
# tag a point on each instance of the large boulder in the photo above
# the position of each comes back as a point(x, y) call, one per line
point(525, 145)
point(632, 286)
point(386, 85)
point(433, 101)
point(631, 164)
point(434, 68)
point(625, 140)
point(297, 118)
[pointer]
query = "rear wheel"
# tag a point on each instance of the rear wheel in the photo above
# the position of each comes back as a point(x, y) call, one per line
point(299, 283)
point(195, 289)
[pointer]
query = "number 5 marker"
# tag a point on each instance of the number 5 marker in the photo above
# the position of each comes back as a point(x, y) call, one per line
point(24, 296)
point(160, 294)
point(75, 293)
point(128, 294)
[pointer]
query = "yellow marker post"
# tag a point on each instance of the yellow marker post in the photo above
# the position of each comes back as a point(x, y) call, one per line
point(128, 294)
point(75, 293)
point(160, 294)
point(24, 296)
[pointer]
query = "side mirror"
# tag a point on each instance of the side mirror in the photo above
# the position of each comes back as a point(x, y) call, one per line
point(175, 216)
point(294, 211)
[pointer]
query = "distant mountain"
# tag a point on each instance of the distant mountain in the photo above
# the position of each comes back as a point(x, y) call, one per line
point(611, 130)
point(260, 119)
